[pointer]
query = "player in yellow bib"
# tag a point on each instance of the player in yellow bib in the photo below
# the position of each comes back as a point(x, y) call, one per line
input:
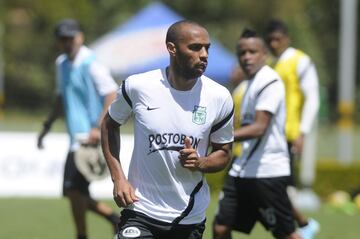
point(302, 101)
point(240, 85)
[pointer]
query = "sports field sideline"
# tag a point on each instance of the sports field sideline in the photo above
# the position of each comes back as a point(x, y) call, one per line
point(16, 120)
point(37, 218)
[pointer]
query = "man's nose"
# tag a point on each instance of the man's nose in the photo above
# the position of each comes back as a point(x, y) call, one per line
point(247, 56)
point(204, 53)
point(273, 44)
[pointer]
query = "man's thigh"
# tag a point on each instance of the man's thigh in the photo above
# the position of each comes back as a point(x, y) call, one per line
point(73, 179)
point(275, 209)
point(187, 232)
point(236, 208)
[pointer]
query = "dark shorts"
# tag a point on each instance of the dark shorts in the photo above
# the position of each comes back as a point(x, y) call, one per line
point(244, 201)
point(73, 179)
point(292, 177)
point(138, 225)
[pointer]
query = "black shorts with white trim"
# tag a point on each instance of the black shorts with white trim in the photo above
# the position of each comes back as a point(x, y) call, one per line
point(244, 201)
point(138, 225)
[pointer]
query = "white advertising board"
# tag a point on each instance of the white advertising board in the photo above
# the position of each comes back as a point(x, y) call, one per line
point(26, 171)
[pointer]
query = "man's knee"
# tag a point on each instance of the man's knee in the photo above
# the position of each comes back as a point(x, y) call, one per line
point(70, 193)
point(75, 195)
point(221, 231)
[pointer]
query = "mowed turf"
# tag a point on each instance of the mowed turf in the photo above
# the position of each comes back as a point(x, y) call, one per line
point(34, 218)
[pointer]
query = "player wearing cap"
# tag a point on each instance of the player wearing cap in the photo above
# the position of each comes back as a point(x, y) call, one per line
point(84, 91)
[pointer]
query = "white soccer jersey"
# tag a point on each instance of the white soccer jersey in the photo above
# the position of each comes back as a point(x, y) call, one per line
point(163, 118)
point(266, 156)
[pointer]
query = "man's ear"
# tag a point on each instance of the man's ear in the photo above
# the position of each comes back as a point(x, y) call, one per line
point(171, 48)
point(80, 38)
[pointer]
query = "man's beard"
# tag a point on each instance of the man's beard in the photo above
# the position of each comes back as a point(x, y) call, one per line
point(186, 72)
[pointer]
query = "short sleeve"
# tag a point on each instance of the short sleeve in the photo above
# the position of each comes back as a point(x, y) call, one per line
point(222, 130)
point(121, 108)
point(270, 97)
point(103, 80)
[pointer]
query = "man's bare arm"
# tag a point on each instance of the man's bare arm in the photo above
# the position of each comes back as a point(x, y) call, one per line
point(216, 161)
point(123, 192)
point(256, 129)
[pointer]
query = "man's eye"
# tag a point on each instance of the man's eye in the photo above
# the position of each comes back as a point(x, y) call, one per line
point(240, 53)
point(195, 47)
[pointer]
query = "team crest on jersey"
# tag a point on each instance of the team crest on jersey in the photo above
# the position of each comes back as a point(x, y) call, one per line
point(199, 115)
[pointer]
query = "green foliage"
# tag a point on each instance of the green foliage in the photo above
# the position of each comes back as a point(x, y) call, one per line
point(333, 176)
point(29, 49)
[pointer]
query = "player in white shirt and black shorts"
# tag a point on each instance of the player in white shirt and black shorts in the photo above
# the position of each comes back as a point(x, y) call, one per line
point(255, 187)
point(178, 114)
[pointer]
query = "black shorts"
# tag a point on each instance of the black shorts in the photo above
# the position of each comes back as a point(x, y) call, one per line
point(244, 201)
point(138, 225)
point(292, 177)
point(73, 179)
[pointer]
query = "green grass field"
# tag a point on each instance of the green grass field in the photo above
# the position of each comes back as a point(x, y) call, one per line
point(34, 218)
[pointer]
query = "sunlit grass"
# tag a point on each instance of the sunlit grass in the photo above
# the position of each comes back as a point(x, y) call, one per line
point(34, 218)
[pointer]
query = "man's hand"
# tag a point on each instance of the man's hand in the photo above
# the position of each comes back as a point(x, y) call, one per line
point(40, 140)
point(44, 131)
point(94, 136)
point(188, 156)
point(298, 145)
point(54, 114)
point(124, 193)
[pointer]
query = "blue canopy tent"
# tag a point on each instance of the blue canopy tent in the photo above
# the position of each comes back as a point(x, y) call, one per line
point(139, 45)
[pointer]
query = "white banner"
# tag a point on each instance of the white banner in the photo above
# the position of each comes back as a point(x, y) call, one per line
point(29, 172)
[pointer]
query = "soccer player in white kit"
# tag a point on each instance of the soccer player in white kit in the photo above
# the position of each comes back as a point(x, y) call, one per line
point(298, 72)
point(178, 114)
point(255, 187)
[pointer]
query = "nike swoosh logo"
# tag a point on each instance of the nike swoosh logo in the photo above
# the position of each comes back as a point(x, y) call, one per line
point(173, 148)
point(148, 108)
